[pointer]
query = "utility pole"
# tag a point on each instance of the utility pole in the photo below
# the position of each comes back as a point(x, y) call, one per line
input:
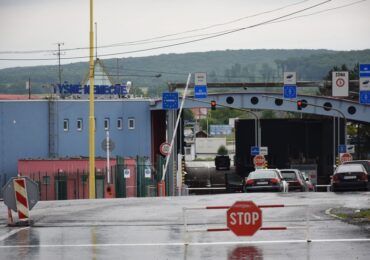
point(59, 65)
point(96, 40)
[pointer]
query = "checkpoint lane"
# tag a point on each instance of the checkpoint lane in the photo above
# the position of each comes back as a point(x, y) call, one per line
point(143, 228)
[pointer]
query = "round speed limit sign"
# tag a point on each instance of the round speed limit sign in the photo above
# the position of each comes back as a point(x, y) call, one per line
point(164, 148)
point(340, 82)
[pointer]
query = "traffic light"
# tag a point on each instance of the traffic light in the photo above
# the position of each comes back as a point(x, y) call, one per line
point(213, 105)
point(302, 103)
point(299, 104)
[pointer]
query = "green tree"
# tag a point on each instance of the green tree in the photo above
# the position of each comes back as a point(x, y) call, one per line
point(188, 115)
point(222, 150)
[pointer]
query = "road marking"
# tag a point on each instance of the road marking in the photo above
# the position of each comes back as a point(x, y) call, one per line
point(12, 233)
point(192, 244)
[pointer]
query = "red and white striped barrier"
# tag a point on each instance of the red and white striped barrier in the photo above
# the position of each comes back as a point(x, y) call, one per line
point(21, 198)
point(306, 227)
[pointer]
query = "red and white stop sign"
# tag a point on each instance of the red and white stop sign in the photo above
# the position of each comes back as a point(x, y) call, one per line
point(244, 218)
point(345, 157)
point(259, 160)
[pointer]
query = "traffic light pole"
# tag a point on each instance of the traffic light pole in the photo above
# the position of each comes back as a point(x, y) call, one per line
point(334, 117)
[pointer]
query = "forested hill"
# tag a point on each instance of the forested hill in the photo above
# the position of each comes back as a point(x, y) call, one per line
point(221, 66)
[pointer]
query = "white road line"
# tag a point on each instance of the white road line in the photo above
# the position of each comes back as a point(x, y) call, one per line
point(192, 244)
point(15, 231)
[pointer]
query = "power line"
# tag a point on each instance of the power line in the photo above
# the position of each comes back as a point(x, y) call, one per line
point(221, 33)
point(150, 40)
point(274, 20)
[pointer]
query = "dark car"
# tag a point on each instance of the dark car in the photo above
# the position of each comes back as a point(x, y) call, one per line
point(265, 180)
point(309, 183)
point(349, 177)
point(365, 163)
point(295, 179)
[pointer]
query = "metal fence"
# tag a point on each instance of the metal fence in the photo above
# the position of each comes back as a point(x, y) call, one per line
point(136, 177)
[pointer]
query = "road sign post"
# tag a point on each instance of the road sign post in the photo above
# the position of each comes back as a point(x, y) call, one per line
point(200, 91)
point(170, 100)
point(290, 91)
point(255, 150)
point(244, 218)
point(200, 87)
point(20, 195)
point(340, 84)
point(364, 73)
point(290, 87)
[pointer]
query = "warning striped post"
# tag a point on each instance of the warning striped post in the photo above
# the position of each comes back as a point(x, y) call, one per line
point(21, 198)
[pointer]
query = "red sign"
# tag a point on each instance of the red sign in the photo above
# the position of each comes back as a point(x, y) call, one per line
point(244, 218)
point(259, 160)
point(164, 148)
point(345, 157)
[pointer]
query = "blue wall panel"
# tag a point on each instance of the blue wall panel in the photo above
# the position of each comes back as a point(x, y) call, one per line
point(24, 129)
point(23, 133)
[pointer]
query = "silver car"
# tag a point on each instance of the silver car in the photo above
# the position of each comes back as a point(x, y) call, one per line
point(265, 180)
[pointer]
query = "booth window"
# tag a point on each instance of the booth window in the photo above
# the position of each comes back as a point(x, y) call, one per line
point(106, 123)
point(79, 124)
point(131, 123)
point(120, 123)
point(65, 125)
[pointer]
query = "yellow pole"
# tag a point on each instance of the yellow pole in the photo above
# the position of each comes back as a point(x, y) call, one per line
point(91, 117)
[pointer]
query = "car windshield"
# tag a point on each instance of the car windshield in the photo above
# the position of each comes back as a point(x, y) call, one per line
point(349, 168)
point(289, 175)
point(262, 175)
point(366, 164)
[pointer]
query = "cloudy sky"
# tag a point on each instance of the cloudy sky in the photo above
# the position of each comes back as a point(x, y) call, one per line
point(31, 29)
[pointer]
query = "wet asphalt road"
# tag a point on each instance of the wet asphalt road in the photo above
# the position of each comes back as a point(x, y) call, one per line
point(153, 228)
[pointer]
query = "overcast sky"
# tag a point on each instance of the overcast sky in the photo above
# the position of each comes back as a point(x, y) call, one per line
point(31, 25)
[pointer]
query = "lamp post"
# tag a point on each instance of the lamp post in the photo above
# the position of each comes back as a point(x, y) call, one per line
point(91, 115)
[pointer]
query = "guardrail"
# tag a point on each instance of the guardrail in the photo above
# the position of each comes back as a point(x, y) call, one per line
point(327, 186)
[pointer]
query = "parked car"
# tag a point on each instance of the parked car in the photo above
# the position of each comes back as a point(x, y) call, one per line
point(309, 183)
point(365, 163)
point(265, 180)
point(349, 177)
point(295, 179)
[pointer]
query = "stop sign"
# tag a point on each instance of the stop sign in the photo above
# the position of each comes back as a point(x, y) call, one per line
point(244, 218)
point(259, 160)
point(345, 157)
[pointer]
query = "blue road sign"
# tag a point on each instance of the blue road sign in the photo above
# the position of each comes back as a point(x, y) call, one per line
point(255, 150)
point(200, 91)
point(365, 97)
point(290, 91)
point(170, 100)
point(342, 148)
point(364, 70)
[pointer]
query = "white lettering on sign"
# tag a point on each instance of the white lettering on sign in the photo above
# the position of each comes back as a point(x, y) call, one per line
point(244, 218)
